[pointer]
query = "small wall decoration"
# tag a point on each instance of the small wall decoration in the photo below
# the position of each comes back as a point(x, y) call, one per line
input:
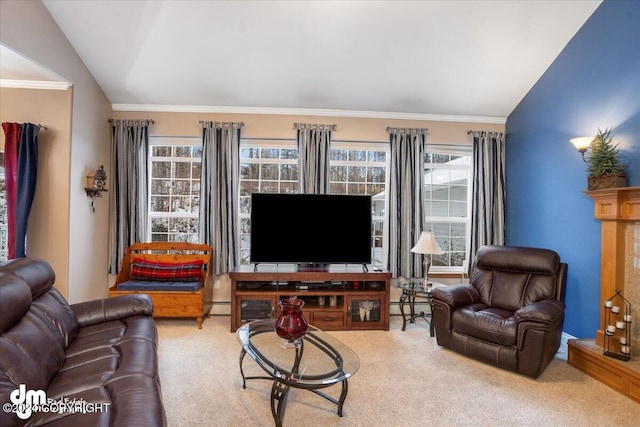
point(617, 334)
point(96, 184)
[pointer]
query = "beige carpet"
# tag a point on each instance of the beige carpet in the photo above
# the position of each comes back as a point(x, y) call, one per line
point(405, 379)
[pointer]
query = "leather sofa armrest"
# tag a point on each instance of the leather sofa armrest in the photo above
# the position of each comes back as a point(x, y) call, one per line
point(108, 309)
point(548, 312)
point(456, 295)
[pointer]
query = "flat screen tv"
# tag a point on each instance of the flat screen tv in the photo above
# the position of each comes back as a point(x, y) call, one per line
point(310, 229)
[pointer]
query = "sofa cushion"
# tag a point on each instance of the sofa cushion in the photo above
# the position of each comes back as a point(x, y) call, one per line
point(143, 285)
point(492, 325)
point(142, 269)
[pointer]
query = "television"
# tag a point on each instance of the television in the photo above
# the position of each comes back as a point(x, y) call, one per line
point(310, 229)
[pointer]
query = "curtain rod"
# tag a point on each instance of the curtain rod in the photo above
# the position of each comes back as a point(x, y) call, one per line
point(488, 132)
point(149, 120)
point(331, 127)
point(211, 121)
point(42, 126)
point(392, 129)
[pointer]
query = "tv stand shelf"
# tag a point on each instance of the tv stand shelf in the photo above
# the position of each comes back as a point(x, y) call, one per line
point(341, 297)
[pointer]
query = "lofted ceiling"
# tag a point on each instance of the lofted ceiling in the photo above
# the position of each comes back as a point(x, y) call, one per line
point(448, 59)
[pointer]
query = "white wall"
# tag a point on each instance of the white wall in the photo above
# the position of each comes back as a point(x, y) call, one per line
point(28, 28)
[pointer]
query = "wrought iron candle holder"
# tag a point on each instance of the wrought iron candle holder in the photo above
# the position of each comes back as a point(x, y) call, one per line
point(617, 333)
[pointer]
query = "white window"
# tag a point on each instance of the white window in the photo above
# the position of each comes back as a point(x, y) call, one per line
point(266, 166)
point(448, 204)
point(271, 166)
point(361, 169)
point(174, 189)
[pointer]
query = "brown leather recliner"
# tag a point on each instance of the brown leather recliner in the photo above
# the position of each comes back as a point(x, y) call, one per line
point(511, 314)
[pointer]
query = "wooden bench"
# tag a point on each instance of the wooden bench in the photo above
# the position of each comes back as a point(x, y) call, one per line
point(171, 303)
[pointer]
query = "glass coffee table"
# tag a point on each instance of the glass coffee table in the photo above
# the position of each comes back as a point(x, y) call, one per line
point(412, 289)
point(318, 362)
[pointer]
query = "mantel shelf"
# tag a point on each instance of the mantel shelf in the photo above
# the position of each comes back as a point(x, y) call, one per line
point(94, 192)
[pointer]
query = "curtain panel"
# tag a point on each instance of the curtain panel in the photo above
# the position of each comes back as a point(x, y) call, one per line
point(489, 190)
point(21, 170)
point(406, 200)
point(219, 210)
point(129, 182)
point(314, 146)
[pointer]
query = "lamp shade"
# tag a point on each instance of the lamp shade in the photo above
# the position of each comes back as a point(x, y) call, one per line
point(427, 244)
point(582, 143)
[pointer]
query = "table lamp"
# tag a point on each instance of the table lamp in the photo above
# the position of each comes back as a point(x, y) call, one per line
point(427, 245)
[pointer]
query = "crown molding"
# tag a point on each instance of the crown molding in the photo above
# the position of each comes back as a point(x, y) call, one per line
point(34, 84)
point(306, 112)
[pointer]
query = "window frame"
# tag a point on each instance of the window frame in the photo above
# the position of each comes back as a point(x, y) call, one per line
point(192, 141)
point(454, 150)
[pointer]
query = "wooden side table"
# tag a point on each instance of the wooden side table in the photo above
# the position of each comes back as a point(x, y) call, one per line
point(412, 289)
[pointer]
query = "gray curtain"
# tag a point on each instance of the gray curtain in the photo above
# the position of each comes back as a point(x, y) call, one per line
point(406, 200)
point(314, 145)
point(218, 225)
point(489, 190)
point(129, 187)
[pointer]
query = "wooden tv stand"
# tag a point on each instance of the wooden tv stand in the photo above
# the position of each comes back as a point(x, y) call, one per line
point(341, 297)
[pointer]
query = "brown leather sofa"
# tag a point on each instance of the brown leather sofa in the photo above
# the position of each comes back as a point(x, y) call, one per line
point(90, 364)
point(511, 314)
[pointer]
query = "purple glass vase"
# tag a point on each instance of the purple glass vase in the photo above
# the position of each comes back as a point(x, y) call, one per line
point(291, 324)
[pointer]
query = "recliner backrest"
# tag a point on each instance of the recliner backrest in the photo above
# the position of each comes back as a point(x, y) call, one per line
point(510, 277)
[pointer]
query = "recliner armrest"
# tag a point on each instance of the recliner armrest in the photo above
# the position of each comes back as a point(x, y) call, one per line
point(456, 295)
point(108, 309)
point(548, 312)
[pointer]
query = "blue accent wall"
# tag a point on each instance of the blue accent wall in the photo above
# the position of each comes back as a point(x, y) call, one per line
point(594, 83)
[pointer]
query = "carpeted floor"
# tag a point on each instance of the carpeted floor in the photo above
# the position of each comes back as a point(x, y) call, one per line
point(404, 379)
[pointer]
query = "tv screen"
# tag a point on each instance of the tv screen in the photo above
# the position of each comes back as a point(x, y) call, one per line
point(310, 229)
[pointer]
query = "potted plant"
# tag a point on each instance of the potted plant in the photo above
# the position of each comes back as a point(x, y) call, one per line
point(604, 168)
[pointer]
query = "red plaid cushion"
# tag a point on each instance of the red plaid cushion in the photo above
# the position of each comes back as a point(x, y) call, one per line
point(166, 271)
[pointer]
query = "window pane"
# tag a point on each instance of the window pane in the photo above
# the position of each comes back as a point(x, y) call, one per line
point(248, 187)
point(289, 154)
point(357, 173)
point(249, 171)
point(269, 153)
point(161, 170)
point(160, 186)
point(289, 187)
point(269, 172)
point(182, 151)
point(159, 204)
point(161, 151)
point(339, 154)
point(458, 209)
point(289, 172)
point(182, 170)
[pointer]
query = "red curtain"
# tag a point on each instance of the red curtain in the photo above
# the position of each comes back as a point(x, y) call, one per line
point(21, 169)
point(12, 138)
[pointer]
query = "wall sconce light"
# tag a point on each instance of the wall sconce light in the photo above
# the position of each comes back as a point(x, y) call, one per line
point(582, 144)
point(96, 184)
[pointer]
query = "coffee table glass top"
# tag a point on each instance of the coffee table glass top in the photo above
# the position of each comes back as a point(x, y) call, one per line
point(417, 286)
point(325, 360)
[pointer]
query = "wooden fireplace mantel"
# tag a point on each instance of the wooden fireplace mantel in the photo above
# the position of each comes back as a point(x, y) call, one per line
point(614, 208)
